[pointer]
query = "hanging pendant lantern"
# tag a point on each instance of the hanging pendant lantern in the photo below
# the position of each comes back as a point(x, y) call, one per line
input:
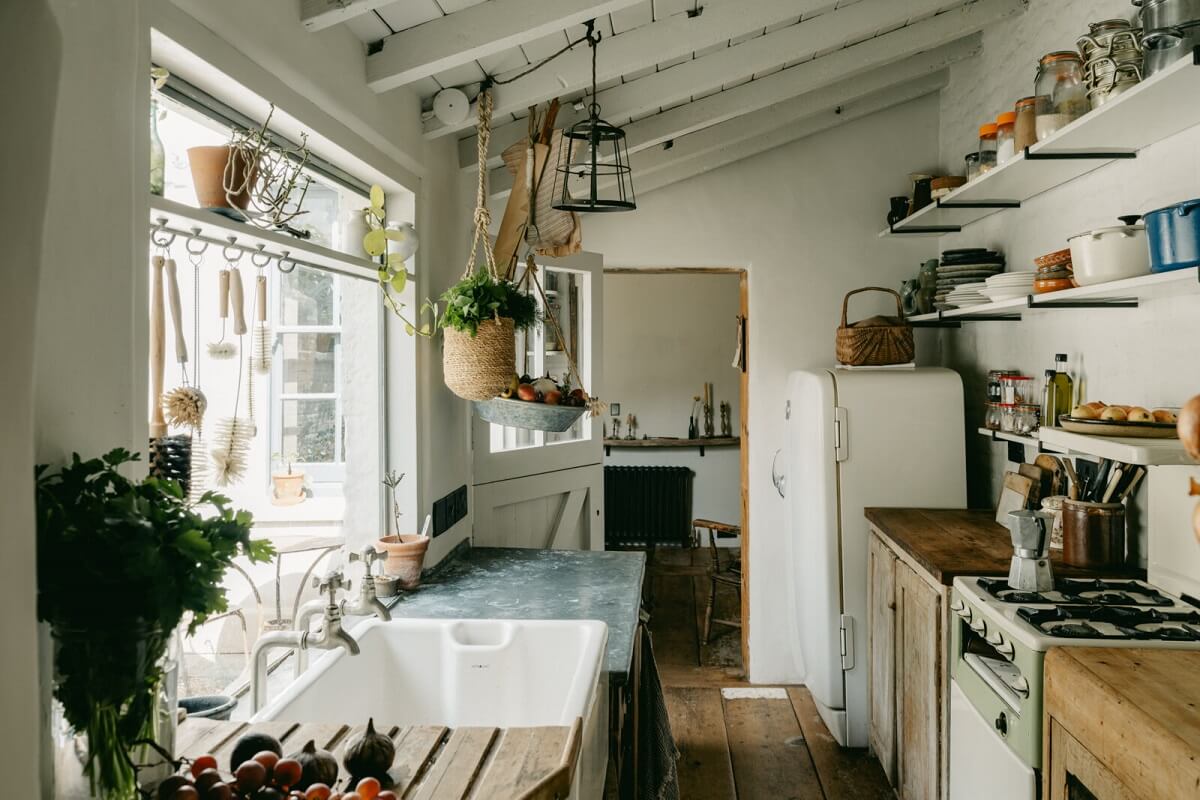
point(593, 172)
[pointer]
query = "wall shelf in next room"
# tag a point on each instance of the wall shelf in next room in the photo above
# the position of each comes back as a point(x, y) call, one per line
point(1155, 109)
point(665, 442)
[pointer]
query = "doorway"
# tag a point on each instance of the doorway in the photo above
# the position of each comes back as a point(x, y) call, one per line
point(674, 340)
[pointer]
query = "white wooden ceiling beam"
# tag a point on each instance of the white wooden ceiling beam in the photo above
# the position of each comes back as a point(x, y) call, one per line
point(474, 33)
point(676, 36)
point(898, 76)
point(879, 51)
point(317, 15)
point(685, 167)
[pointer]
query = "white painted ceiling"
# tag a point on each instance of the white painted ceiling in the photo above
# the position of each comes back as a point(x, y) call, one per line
point(629, 95)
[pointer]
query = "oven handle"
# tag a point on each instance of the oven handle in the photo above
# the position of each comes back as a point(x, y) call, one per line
point(997, 684)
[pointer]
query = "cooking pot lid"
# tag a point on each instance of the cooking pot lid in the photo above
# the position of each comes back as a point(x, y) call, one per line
point(1110, 229)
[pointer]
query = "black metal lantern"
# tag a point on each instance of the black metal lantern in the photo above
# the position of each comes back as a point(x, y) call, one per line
point(593, 172)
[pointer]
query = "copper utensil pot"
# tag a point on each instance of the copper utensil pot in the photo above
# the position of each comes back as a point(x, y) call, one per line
point(1093, 534)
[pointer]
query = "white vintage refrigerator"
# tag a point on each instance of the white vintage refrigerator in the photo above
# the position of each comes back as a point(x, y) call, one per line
point(856, 439)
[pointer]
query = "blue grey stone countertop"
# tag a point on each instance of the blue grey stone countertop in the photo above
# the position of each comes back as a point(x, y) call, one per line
point(517, 583)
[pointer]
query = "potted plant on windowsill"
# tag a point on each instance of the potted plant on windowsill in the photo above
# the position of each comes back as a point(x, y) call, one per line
point(405, 551)
point(119, 564)
point(288, 485)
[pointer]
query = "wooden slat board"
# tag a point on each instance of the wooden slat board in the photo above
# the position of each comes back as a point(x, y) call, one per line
point(845, 773)
point(698, 723)
point(765, 764)
point(431, 762)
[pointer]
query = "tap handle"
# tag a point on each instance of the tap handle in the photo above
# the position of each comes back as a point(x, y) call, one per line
point(369, 555)
point(331, 583)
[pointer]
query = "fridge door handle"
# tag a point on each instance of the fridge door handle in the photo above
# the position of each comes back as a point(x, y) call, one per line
point(841, 438)
point(777, 477)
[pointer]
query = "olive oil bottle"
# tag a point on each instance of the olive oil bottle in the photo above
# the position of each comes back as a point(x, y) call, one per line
point(1064, 388)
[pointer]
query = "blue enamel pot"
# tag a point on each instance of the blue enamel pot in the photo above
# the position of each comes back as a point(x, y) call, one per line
point(1174, 236)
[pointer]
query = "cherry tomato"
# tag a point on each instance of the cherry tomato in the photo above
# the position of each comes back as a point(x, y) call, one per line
point(250, 776)
point(186, 793)
point(318, 791)
point(369, 788)
point(352, 796)
point(166, 789)
point(287, 773)
point(386, 795)
point(206, 780)
point(202, 763)
point(268, 758)
point(218, 791)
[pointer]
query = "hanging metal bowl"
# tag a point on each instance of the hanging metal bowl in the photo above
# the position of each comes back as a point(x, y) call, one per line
point(531, 416)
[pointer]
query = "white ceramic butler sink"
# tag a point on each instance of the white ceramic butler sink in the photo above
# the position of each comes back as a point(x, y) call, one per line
point(500, 673)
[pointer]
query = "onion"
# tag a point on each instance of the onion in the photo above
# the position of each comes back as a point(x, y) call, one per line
point(1189, 427)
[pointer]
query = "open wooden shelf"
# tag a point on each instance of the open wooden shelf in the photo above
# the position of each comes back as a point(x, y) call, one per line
point(1155, 109)
point(1123, 294)
point(1128, 450)
point(664, 442)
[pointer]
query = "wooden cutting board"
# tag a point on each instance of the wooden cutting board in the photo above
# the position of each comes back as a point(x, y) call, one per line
point(1016, 494)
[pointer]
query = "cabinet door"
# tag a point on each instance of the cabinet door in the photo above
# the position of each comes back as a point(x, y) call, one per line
point(918, 685)
point(881, 645)
point(1075, 774)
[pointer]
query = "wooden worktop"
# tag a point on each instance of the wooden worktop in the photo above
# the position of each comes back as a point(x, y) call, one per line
point(432, 762)
point(947, 543)
point(1137, 711)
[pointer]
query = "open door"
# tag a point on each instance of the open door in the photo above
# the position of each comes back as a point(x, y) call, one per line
point(546, 490)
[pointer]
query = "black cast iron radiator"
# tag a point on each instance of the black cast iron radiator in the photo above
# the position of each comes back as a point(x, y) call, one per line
point(646, 506)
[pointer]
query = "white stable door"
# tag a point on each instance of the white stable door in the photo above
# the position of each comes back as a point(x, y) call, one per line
point(546, 490)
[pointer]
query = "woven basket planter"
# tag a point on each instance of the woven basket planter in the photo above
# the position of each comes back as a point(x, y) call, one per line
point(480, 367)
point(531, 416)
point(875, 341)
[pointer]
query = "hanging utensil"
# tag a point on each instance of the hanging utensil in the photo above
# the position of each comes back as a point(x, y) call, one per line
point(185, 405)
point(170, 456)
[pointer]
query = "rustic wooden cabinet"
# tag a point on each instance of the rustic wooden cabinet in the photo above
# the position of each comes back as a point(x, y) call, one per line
point(1073, 773)
point(909, 682)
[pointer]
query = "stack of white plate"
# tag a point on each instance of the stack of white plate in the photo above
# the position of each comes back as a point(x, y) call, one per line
point(970, 294)
point(1008, 285)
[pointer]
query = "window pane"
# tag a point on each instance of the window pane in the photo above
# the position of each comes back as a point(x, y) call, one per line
point(563, 296)
point(307, 298)
point(310, 430)
point(309, 362)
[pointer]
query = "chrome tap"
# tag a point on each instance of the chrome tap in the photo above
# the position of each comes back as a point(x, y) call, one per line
point(366, 604)
point(330, 636)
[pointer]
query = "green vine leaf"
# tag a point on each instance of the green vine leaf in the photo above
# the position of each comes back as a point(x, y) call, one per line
point(377, 197)
point(399, 280)
point(375, 243)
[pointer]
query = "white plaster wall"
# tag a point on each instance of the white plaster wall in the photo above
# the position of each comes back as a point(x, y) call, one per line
point(29, 46)
point(1145, 356)
point(803, 220)
point(664, 336)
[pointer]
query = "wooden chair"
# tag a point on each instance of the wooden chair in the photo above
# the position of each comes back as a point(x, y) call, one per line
point(729, 574)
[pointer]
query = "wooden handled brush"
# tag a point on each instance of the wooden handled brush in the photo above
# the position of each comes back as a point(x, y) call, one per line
point(170, 456)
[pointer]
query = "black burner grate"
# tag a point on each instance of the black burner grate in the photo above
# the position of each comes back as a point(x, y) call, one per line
point(1082, 591)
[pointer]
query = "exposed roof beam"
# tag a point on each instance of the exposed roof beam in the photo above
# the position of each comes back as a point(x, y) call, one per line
point(894, 77)
point(676, 36)
point(317, 15)
point(473, 33)
point(779, 86)
point(681, 163)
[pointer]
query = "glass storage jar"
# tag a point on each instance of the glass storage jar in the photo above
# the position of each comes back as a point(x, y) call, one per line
point(1026, 126)
point(987, 147)
point(972, 162)
point(1016, 389)
point(1006, 136)
point(993, 417)
point(1061, 92)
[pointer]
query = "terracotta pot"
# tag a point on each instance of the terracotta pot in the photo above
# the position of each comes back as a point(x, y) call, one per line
point(289, 488)
point(209, 165)
point(1093, 534)
point(405, 557)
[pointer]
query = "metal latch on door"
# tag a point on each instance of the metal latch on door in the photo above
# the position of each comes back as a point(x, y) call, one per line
point(846, 634)
point(841, 434)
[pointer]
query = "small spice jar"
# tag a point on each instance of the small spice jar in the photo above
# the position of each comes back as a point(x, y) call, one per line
point(1061, 92)
point(1025, 418)
point(1026, 125)
point(994, 416)
point(1006, 136)
point(987, 147)
point(1016, 389)
point(993, 383)
point(972, 162)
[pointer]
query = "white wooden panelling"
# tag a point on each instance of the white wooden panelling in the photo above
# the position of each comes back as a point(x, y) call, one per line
point(476, 32)
point(805, 105)
point(672, 37)
point(558, 510)
point(320, 14)
point(688, 167)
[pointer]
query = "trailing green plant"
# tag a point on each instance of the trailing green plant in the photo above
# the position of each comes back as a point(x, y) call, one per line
point(480, 297)
point(145, 558)
point(393, 275)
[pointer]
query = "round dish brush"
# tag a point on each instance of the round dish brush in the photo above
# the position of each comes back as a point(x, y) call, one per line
point(263, 342)
point(232, 436)
point(221, 349)
point(170, 456)
point(184, 406)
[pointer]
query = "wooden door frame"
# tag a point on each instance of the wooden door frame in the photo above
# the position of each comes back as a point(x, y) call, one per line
point(744, 421)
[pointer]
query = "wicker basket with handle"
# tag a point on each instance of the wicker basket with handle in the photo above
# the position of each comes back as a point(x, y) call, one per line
point(875, 341)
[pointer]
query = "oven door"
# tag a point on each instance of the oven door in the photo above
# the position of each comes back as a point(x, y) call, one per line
point(982, 766)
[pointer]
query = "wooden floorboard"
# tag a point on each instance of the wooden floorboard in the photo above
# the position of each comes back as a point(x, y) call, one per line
point(844, 772)
point(698, 724)
point(768, 752)
point(673, 622)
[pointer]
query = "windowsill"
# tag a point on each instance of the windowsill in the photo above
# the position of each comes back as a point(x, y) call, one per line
point(312, 510)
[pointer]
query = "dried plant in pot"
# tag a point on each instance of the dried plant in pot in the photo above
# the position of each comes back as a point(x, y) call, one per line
point(405, 551)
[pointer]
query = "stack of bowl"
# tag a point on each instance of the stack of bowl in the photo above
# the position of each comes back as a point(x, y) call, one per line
point(1112, 59)
point(1055, 271)
point(1170, 31)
